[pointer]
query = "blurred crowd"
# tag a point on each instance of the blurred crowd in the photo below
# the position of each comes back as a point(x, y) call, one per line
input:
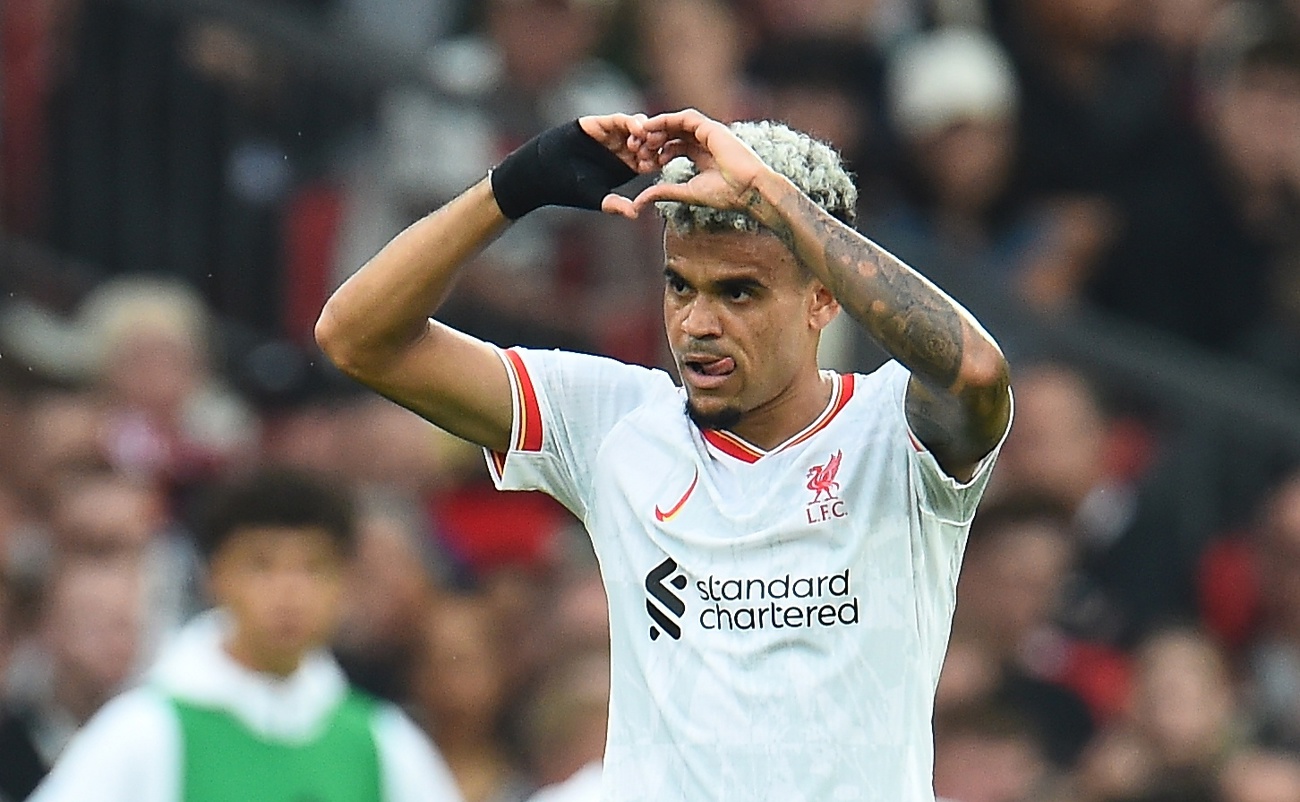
point(182, 184)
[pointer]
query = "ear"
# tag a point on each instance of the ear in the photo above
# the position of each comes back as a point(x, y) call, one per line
point(822, 307)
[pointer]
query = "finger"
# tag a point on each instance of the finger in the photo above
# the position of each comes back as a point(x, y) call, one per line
point(616, 204)
point(662, 192)
point(687, 148)
point(687, 120)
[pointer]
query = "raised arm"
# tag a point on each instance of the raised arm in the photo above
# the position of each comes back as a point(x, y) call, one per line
point(376, 327)
point(958, 400)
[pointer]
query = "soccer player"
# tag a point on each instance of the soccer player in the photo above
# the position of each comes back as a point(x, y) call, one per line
point(779, 544)
point(245, 704)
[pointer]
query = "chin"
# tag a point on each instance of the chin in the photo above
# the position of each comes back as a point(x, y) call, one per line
point(721, 417)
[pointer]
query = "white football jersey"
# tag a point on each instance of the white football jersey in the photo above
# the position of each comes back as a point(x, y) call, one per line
point(778, 618)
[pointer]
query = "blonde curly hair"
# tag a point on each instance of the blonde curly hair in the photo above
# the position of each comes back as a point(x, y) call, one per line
point(813, 166)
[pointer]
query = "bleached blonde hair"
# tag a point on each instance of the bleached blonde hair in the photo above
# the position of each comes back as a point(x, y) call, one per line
point(813, 166)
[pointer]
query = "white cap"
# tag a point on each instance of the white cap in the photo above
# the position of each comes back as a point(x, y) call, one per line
point(950, 76)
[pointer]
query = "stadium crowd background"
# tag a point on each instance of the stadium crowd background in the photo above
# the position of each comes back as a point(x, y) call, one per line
point(1113, 186)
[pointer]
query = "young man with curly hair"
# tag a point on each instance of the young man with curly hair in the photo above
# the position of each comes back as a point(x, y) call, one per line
point(779, 543)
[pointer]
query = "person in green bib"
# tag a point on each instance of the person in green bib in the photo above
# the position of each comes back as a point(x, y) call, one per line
point(245, 704)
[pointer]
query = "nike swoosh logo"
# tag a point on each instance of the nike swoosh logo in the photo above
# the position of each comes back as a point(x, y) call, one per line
point(662, 516)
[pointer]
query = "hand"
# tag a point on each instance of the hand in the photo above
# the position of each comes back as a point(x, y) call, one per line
point(728, 170)
point(615, 132)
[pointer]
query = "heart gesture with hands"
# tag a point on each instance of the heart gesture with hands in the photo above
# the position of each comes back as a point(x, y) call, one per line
point(730, 175)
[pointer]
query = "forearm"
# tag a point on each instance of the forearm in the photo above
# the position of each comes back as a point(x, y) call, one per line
point(385, 306)
point(963, 404)
point(911, 318)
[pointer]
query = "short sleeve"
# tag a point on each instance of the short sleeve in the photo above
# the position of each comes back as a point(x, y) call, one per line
point(565, 405)
point(128, 752)
point(938, 494)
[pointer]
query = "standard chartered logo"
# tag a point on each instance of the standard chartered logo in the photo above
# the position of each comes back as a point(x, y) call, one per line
point(786, 601)
point(654, 585)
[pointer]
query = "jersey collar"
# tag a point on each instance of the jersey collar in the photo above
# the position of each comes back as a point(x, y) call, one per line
point(738, 448)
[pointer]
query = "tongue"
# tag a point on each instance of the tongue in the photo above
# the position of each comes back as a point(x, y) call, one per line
point(718, 367)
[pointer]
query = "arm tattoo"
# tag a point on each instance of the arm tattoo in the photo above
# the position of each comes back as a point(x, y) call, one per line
point(915, 322)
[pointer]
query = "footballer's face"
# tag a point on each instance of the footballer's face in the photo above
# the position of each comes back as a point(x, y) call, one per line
point(743, 319)
point(283, 587)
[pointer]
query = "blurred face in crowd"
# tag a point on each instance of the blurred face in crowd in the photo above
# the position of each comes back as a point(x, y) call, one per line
point(1279, 565)
point(62, 441)
point(710, 32)
point(571, 30)
point(384, 445)
point(566, 717)
point(390, 586)
point(92, 628)
point(967, 164)
point(743, 320)
point(105, 514)
point(1260, 777)
point(1057, 446)
point(459, 683)
point(1182, 26)
point(971, 671)
point(1085, 22)
point(836, 17)
point(1184, 699)
point(825, 113)
point(283, 586)
point(1257, 120)
point(974, 766)
point(154, 372)
point(1010, 583)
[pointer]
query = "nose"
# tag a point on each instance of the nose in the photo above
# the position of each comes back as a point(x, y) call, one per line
point(700, 321)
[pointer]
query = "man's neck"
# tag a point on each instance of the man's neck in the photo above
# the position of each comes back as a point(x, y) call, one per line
point(788, 413)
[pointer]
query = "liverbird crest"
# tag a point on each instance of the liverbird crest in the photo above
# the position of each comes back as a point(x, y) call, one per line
point(821, 478)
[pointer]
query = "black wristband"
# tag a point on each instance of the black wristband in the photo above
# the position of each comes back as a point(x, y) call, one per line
point(559, 167)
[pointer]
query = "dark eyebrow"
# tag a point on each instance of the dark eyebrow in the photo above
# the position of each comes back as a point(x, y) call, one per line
point(749, 285)
point(673, 275)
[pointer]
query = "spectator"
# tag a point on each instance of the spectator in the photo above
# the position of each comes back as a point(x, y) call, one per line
point(108, 517)
point(1100, 121)
point(245, 704)
point(1018, 559)
point(89, 648)
point(394, 576)
point(1274, 657)
point(954, 102)
point(58, 437)
point(987, 754)
point(1182, 728)
point(460, 695)
point(144, 346)
point(713, 79)
point(1252, 113)
point(830, 87)
point(1259, 776)
point(1133, 572)
point(565, 720)
point(562, 278)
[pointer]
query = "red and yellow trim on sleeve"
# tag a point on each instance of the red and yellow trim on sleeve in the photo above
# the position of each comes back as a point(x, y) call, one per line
point(528, 414)
point(527, 424)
